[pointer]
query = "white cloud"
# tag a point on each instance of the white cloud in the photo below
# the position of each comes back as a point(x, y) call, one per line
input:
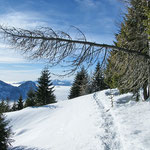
point(21, 19)
point(9, 75)
point(32, 20)
point(10, 60)
point(19, 75)
point(25, 20)
point(9, 55)
point(88, 3)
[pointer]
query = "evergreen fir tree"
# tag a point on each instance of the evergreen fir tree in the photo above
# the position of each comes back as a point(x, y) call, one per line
point(111, 76)
point(30, 101)
point(147, 20)
point(124, 68)
point(20, 103)
point(14, 107)
point(80, 84)
point(45, 91)
point(98, 83)
point(2, 106)
point(5, 133)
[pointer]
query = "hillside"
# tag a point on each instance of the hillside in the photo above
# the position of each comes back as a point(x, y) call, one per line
point(84, 123)
point(7, 90)
point(13, 92)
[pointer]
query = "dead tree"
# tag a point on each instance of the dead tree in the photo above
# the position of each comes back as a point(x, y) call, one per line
point(59, 47)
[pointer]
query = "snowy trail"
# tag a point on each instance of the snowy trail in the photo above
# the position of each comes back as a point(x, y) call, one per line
point(110, 138)
point(78, 124)
point(84, 123)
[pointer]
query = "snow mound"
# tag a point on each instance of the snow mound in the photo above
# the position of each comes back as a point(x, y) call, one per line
point(84, 123)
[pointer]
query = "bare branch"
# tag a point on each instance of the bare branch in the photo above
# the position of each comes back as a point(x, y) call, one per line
point(59, 48)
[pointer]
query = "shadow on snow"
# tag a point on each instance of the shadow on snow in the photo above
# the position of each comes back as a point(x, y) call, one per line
point(24, 148)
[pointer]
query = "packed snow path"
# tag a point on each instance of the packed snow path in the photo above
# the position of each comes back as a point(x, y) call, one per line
point(110, 138)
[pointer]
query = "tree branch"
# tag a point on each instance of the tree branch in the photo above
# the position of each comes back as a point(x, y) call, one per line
point(59, 47)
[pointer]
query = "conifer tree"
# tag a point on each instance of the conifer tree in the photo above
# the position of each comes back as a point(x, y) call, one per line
point(45, 91)
point(80, 84)
point(147, 21)
point(2, 106)
point(30, 101)
point(14, 107)
point(131, 72)
point(5, 133)
point(98, 83)
point(147, 25)
point(111, 76)
point(20, 103)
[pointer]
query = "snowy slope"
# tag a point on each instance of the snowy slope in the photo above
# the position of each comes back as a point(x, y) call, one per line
point(84, 123)
point(68, 125)
point(131, 119)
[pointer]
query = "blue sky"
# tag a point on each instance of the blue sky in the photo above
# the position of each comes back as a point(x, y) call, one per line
point(98, 19)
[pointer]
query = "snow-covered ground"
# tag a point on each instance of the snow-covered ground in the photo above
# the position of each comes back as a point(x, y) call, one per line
point(84, 123)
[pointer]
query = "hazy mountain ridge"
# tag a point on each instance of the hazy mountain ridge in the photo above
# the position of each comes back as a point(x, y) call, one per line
point(13, 92)
point(7, 90)
point(55, 82)
point(26, 86)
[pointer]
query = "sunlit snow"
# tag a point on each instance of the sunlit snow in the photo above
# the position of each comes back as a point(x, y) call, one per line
point(84, 123)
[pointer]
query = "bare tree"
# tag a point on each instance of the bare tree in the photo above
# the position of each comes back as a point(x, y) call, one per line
point(59, 47)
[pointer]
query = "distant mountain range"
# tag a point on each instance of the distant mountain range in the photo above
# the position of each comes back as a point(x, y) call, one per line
point(22, 88)
point(55, 82)
point(13, 92)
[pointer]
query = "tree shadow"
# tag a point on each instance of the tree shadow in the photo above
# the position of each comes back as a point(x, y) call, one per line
point(112, 92)
point(23, 148)
point(50, 106)
point(124, 99)
point(46, 106)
